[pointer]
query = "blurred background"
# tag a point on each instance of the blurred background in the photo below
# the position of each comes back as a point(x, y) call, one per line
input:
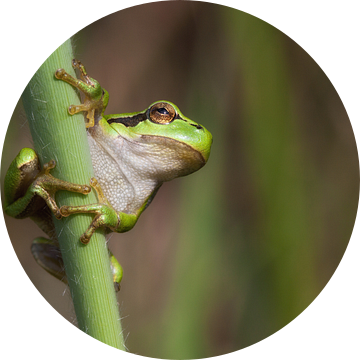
point(244, 245)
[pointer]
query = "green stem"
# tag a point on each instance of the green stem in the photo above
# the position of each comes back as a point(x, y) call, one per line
point(61, 137)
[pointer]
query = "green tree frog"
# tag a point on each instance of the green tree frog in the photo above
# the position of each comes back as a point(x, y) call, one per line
point(133, 154)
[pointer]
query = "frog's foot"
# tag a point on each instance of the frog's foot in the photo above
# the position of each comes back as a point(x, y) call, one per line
point(105, 214)
point(96, 98)
point(45, 185)
point(48, 255)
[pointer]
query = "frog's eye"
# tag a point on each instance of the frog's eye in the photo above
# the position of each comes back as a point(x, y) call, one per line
point(162, 113)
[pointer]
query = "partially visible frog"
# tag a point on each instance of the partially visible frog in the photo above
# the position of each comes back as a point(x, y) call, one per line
point(132, 155)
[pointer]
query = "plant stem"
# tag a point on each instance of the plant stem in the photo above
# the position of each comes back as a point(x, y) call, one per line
point(61, 137)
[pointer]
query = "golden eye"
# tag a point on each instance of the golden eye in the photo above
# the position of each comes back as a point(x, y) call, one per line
point(162, 113)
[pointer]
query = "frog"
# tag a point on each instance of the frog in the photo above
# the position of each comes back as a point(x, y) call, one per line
point(132, 154)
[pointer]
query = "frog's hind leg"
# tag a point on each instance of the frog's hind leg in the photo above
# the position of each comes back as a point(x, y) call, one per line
point(48, 255)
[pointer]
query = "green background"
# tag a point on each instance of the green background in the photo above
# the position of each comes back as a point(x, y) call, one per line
point(231, 254)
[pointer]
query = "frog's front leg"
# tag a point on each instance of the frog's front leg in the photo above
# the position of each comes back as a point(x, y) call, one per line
point(96, 98)
point(105, 215)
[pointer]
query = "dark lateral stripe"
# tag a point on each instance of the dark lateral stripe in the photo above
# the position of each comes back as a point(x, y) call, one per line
point(131, 121)
point(128, 120)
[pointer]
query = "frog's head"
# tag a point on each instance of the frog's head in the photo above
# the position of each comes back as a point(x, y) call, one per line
point(171, 144)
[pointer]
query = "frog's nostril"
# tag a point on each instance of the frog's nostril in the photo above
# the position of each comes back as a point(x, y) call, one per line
point(199, 127)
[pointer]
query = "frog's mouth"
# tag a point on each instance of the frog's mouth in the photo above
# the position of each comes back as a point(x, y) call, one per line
point(182, 158)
